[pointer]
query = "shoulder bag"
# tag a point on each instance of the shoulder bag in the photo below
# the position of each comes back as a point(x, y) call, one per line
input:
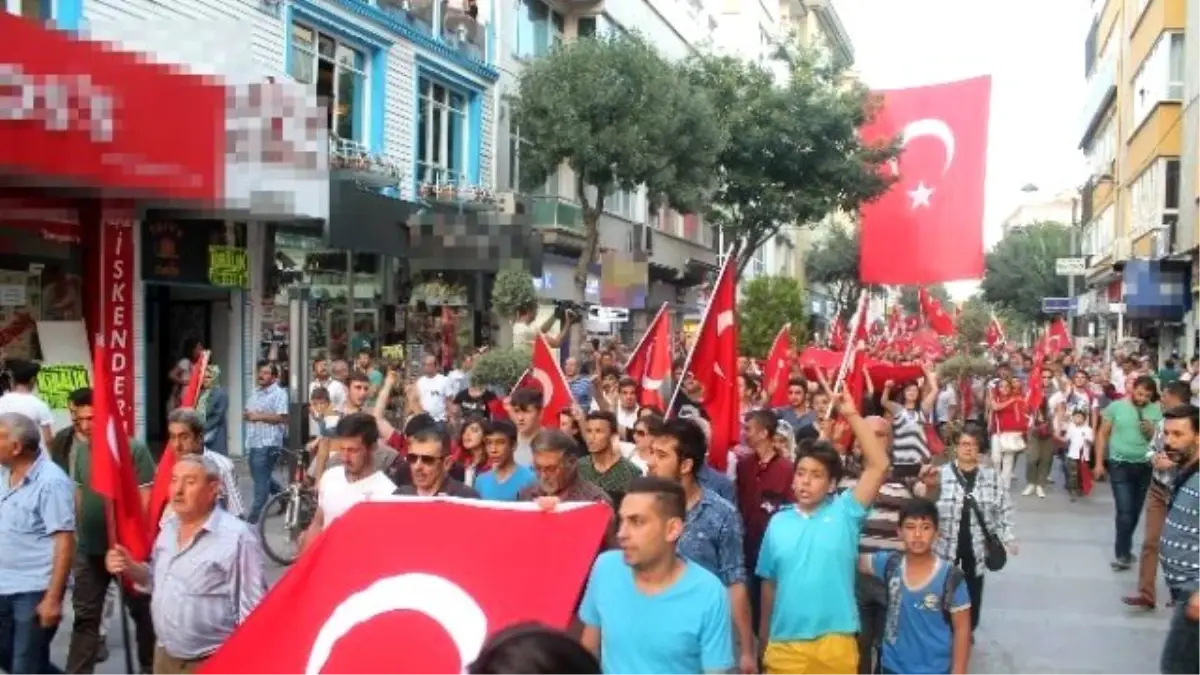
point(995, 554)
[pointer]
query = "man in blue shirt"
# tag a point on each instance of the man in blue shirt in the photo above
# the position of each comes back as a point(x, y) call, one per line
point(37, 537)
point(712, 530)
point(808, 557)
point(647, 610)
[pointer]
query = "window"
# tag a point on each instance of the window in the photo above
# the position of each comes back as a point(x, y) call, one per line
point(337, 72)
point(511, 168)
point(441, 134)
point(1160, 77)
point(1153, 194)
point(1099, 234)
point(758, 262)
point(601, 25)
point(1103, 150)
point(538, 27)
point(1171, 189)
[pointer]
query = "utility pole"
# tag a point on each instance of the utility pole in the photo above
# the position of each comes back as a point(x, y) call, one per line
point(1073, 247)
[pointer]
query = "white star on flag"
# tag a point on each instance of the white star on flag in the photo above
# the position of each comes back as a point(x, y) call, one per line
point(920, 195)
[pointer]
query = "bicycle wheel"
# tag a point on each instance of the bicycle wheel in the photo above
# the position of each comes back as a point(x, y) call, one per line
point(280, 534)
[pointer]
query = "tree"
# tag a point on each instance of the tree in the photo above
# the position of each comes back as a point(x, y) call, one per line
point(833, 263)
point(767, 303)
point(620, 116)
point(1020, 270)
point(794, 154)
point(973, 323)
point(910, 302)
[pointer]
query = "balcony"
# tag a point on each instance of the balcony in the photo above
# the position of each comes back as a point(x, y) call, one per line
point(1101, 91)
point(453, 24)
point(556, 213)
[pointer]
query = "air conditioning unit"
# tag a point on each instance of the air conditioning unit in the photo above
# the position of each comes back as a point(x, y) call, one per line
point(1122, 249)
point(507, 202)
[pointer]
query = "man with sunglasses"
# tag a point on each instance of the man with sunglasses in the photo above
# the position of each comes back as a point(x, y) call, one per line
point(355, 480)
point(429, 462)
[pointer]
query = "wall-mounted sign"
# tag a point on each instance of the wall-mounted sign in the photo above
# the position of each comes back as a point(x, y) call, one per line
point(228, 266)
point(169, 253)
point(55, 382)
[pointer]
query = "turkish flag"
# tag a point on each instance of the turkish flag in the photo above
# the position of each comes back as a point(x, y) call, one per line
point(935, 316)
point(363, 600)
point(775, 372)
point(160, 490)
point(837, 337)
point(928, 228)
point(113, 475)
point(650, 364)
point(713, 364)
point(1057, 337)
point(546, 376)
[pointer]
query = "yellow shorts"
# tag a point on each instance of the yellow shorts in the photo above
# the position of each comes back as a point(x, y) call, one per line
point(835, 654)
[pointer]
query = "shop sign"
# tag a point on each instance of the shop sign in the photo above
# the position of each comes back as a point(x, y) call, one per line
point(228, 267)
point(80, 112)
point(116, 310)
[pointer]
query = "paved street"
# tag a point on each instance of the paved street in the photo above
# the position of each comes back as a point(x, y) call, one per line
point(1055, 609)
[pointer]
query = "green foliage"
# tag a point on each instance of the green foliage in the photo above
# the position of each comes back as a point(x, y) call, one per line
point(500, 368)
point(512, 290)
point(964, 365)
point(1020, 270)
point(794, 154)
point(769, 302)
point(973, 324)
point(910, 302)
point(833, 263)
point(621, 116)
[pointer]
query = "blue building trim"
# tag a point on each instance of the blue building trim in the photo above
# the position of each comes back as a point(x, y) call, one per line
point(373, 43)
point(402, 26)
point(67, 14)
point(474, 91)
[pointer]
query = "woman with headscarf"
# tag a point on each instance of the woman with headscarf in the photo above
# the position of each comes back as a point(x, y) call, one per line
point(212, 406)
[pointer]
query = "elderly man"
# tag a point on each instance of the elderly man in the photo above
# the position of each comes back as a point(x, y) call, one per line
point(185, 432)
point(205, 572)
point(37, 537)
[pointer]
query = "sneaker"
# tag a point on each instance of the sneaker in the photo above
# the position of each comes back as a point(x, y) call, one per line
point(1121, 564)
point(1028, 490)
point(1041, 492)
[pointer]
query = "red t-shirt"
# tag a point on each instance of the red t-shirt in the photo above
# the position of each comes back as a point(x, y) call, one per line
point(1012, 418)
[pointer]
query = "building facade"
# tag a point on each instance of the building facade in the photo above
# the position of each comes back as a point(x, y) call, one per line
point(1139, 283)
point(1061, 209)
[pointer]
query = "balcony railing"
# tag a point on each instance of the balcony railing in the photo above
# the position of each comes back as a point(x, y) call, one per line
point(556, 212)
point(353, 160)
point(456, 22)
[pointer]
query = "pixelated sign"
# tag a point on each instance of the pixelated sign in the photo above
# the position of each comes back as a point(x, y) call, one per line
point(228, 266)
point(56, 382)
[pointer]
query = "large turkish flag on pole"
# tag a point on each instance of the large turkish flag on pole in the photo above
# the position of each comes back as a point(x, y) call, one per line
point(928, 228)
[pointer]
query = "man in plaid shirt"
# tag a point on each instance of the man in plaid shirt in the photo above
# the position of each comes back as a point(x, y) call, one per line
point(266, 422)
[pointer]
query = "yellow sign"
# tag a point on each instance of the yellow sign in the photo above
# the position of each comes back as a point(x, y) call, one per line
point(56, 382)
point(228, 266)
point(393, 352)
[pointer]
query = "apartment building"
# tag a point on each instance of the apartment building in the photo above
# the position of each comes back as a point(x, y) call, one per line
point(677, 251)
point(1060, 208)
point(1135, 126)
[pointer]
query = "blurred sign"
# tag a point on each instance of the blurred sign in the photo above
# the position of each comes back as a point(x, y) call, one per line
point(392, 352)
point(1070, 267)
point(608, 314)
point(623, 282)
point(55, 383)
point(228, 267)
point(1058, 305)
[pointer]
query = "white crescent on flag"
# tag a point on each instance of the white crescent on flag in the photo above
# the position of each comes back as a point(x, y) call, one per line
point(543, 379)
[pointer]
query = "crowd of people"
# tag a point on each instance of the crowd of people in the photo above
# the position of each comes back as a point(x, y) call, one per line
point(845, 536)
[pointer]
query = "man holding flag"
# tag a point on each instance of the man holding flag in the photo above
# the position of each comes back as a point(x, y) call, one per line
point(97, 477)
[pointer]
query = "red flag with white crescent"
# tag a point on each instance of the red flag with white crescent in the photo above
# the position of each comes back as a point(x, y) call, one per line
point(546, 376)
point(650, 363)
point(775, 372)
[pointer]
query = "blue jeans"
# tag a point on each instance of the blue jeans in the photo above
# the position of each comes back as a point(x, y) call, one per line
point(1181, 650)
point(24, 643)
point(262, 463)
point(1130, 483)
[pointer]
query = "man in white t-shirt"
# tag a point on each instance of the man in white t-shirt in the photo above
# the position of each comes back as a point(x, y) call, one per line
point(433, 388)
point(21, 399)
point(322, 378)
point(354, 480)
point(524, 332)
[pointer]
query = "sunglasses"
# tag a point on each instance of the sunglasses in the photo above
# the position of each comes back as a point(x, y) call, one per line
point(639, 432)
point(424, 460)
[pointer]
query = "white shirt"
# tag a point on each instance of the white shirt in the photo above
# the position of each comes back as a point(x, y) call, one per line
point(1079, 441)
point(337, 391)
point(434, 390)
point(627, 418)
point(523, 336)
point(335, 494)
point(30, 406)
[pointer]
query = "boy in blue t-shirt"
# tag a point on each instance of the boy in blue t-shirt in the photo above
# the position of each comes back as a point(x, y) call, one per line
point(928, 625)
point(506, 478)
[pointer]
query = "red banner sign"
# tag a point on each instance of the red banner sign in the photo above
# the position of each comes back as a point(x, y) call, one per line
point(116, 310)
point(78, 112)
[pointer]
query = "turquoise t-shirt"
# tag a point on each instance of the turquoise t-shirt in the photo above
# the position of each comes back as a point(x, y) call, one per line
point(811, 559)
point(917, 638)
point(1127, 443)
point(686, 628)
point(490, 487)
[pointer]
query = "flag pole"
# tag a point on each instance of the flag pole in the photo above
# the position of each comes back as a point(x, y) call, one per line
point(786, 330)
point(851, 350)
point(687, 363)
point(110, 525)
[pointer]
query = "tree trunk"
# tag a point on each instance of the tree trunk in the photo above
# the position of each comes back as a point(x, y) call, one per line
point(591, 245)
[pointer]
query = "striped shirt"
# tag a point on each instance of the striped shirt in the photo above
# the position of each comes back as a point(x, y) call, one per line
point(909, 445)
point(881, 529)
point(201, 591)
point(270, 400)
point(993, 500)
point(1179, 546)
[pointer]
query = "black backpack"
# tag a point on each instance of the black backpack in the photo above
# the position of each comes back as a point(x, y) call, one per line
point(954, 577)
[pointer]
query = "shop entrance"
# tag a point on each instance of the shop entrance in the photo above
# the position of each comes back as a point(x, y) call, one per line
point(175, 314)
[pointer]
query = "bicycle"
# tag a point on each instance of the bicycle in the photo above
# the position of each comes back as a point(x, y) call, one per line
point(296, 505)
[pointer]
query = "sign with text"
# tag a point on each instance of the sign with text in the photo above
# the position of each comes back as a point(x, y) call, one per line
point(1058, 305)
point(393, 352)
point(116, 310)
point(55, 382)
point(1070, 267)
point(228, 267)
